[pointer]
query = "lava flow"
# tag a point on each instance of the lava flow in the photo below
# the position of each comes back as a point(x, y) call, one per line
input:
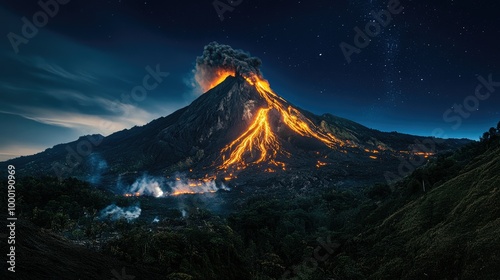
point(259, 144)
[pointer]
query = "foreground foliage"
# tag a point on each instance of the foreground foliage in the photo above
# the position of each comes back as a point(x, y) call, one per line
point(448, 230)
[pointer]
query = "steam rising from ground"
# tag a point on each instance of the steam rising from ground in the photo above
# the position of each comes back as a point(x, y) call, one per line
point(218, 57)
point(147, 186)
point(159, 186)
point(97, 167)
point(114, 213)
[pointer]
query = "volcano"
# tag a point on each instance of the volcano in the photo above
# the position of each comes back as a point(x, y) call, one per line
point(240, 130)
point(242, 123)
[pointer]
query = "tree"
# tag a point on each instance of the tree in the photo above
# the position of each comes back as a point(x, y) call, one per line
point(498, 127)
point(486, 136)
point(493, 132)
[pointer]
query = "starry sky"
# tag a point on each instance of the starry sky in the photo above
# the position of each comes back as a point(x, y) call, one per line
point(431, 69)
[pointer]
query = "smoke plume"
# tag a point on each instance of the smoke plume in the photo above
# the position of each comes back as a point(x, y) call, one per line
point(179, 184)
point(217, 57)
point(114, 213)
point(97, 167)
point(147, 186)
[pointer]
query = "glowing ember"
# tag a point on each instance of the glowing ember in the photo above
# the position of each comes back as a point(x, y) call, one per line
point(190, 192)
point(320, 164)
point(137, 194)
point(425, 155)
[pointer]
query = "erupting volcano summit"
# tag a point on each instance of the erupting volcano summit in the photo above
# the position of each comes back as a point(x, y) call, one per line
point(259, 143)
point(239, 129)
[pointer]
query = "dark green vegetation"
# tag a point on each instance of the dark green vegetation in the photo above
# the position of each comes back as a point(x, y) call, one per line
point(58, 233)
point(441, 222)
point(450, 231)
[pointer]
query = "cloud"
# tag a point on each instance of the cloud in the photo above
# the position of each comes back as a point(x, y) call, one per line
point(77, 99)
point(45, 69)
point(59, 88)
point(85, 123)
point(218, 57)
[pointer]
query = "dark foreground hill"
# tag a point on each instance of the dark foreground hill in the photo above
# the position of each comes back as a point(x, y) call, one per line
point(441, 222)
point(449, 231)
point(41, 254)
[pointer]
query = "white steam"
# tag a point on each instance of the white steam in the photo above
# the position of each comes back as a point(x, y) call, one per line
point(160, 187)
point(147, 186)
point(114, 213)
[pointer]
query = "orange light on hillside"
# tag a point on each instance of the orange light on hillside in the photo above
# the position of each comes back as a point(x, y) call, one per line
point(177, 193)
point(259, 142)
point(137, 194)
point(220, 76)
point(320, 164)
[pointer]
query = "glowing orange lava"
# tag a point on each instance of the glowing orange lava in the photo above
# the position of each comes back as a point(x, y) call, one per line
point(137, 194)
point(221, 75)
point(176, 193)
point(259, 144)
point(258, 138)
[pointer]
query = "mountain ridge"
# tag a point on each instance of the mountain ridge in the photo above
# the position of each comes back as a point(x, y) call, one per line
point(200, 137)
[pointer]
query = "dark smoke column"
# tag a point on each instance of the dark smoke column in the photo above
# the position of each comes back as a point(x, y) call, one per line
point(218, 57)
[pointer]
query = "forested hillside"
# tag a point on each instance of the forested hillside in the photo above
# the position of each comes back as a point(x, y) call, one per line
point(441, 222)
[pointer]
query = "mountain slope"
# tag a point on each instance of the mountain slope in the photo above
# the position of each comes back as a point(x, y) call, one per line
point(41, 254)
point(239, 126)
point(451, 231)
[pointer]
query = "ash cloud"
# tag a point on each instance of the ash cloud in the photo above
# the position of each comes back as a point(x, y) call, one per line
point(223, 57)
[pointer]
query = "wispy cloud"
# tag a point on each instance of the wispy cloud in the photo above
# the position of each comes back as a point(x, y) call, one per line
point(129, 116)
point(59, 72)
point(58, 89)
point(71, 97)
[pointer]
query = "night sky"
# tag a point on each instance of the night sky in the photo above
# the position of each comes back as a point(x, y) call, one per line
point(73, 76)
